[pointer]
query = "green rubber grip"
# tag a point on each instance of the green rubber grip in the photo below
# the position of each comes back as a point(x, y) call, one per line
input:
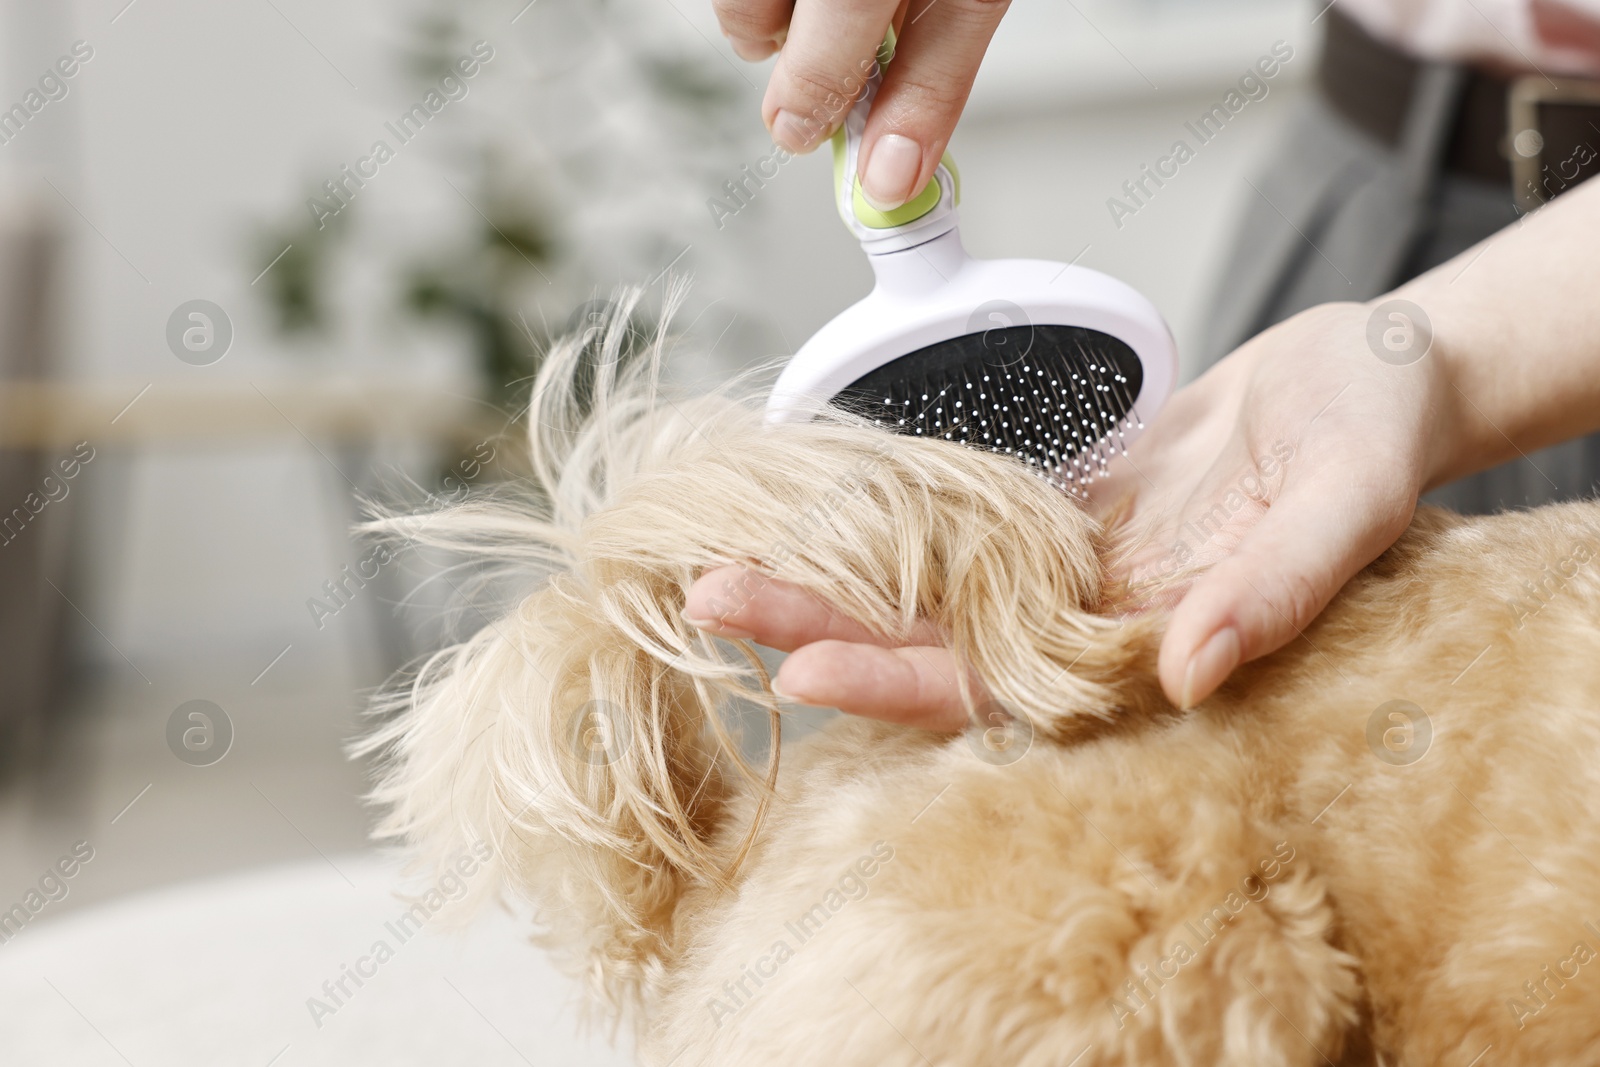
point(913, 209)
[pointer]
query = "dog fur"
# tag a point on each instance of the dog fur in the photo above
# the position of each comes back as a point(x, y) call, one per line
point(1274, 877)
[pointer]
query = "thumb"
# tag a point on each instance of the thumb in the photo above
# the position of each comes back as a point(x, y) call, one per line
point(924, 90)
point(1284, 571)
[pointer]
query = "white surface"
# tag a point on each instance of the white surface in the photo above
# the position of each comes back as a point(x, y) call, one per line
point(218, 972)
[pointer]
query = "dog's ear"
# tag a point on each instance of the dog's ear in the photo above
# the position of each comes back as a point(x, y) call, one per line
point(559, 737)
point(581, 735)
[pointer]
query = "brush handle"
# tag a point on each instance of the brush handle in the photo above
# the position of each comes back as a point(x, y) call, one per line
point(929, 214)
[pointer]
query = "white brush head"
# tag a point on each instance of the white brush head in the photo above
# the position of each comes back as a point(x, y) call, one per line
point(934, 293)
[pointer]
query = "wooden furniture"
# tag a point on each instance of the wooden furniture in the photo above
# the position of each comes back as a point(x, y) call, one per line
point(32, 554)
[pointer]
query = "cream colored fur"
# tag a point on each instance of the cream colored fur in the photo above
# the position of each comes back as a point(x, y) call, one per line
point(886, 896)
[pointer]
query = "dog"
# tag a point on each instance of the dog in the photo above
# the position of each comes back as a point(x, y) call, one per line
point(1376, 845)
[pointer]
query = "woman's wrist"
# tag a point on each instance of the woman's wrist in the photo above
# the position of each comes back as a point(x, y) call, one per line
point(1513, 338)
point(1448, 423)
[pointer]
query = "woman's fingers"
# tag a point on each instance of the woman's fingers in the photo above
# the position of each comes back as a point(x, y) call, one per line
point(827, 56)
point(755, 28)
point(835, 661)
point(828, 52)
point(913, 685)
point(739, 603)
point(1315, 536)
point(924, 91)
point(1221, 506)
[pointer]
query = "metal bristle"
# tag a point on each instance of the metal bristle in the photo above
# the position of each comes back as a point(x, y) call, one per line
point(1059, 398)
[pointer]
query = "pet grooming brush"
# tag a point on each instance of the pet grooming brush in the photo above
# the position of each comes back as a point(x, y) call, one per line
point(1056, 364)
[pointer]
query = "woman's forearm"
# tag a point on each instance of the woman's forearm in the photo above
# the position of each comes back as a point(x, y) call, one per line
point(1516, 324)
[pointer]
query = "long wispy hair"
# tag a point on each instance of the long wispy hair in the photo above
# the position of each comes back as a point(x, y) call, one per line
point(584, 732)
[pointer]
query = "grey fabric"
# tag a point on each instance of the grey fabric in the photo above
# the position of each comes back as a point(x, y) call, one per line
point(1339, 216)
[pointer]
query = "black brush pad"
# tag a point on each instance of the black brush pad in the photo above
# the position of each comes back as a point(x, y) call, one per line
point(1056, 397)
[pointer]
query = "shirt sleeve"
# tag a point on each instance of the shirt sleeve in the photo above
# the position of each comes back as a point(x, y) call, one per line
point(1553, 37)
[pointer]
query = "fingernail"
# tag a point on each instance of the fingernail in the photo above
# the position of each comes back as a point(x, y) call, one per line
point(717, 627)
point(1208, 667)
point(783, 694)
point(752, 51)
point(893, 165)
point(791, 132)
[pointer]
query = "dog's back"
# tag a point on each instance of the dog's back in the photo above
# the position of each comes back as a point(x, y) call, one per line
point(1381, 834)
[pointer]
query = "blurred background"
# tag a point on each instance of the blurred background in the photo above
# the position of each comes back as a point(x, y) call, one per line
point(233, 318)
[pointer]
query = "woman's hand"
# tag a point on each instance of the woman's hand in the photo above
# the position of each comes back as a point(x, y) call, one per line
point(1269, 482)
point(1275, 477)
point(826, 48)
point(834, 661)
point(1488, 357)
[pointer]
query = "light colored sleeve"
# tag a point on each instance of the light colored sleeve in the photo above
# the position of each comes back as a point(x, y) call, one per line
point(1554, 37)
